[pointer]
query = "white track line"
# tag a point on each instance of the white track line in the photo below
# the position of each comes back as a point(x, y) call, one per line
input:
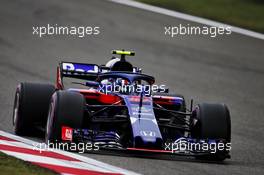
point(17, 144)
point(91, 162)
point(187, 17)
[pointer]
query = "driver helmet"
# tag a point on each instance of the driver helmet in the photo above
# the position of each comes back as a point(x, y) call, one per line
point(116, 64)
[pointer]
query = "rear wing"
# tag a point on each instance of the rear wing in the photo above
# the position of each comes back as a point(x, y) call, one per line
point(79, 70)
point(76, 70)
point(84, 71)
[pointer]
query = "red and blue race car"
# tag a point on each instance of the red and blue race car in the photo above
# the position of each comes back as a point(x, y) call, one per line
point(117, 107)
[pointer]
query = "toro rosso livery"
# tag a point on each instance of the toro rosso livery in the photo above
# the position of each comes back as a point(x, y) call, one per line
point(115, 106)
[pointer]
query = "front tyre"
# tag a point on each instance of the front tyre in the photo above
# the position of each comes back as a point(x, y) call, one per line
point(212, 121)
point(66, 109)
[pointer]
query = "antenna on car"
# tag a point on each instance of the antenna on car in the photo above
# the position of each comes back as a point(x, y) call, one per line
point(123, 53)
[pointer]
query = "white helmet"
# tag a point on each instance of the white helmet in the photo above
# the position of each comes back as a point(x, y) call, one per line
point(112, 62)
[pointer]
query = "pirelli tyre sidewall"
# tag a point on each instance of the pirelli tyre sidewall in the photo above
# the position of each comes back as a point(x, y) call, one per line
point(66, 109)
point(31, 106)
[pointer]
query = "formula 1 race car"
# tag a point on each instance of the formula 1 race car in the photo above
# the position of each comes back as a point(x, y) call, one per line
point(116, 107)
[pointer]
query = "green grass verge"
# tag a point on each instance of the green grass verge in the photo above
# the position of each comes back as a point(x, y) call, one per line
point(243, 13)
point(10, 166)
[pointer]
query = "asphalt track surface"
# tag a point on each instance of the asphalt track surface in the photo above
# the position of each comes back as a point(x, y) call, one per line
point(228, 69)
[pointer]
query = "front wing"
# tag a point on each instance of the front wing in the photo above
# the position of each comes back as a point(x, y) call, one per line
point(110, 141)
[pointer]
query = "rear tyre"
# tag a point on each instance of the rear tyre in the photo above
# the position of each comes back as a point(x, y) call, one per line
point(66, 109)
point(212, 121)
point(31, 107)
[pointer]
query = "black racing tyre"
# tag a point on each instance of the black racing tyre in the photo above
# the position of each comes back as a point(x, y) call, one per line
point(182, 108)
point(31, 106)
point(212, 121)
point(66, 109)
